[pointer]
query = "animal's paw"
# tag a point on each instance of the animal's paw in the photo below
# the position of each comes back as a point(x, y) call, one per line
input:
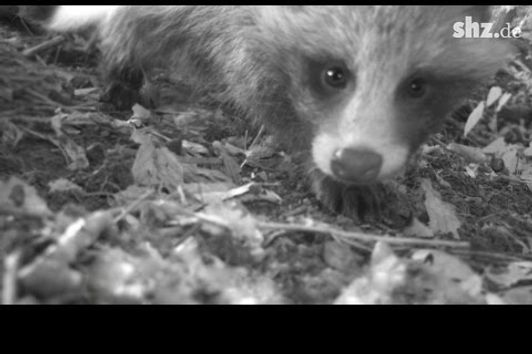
point(123, 86)
point(371, 203)
point(120, 95)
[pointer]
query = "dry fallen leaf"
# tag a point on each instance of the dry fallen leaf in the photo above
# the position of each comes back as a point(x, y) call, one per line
point(252, 192)
point(243, 225)
point(418, 229)
point(340, 256)
point(193, 148)
point(520, 295)
point(11, 134)
point(493, 95)
point(514, 273)
point(114, 277)
point(74, 153)
point(429, 277)
point(156, 166)
point(263, 149)
point(18, 195)
point(63, 185)
point(231, 166)
point(511, 159)
point(442, 215)
point(208, 193)
point(140, 115)
point(386, 273)
point(498, 146)
point(472, 154)
point(234, 150)
point(474, 118)
point(456, 281)
point(503, 100)
point(238, 191)
point(472, 170)
point(528, 151)
point(244, 241)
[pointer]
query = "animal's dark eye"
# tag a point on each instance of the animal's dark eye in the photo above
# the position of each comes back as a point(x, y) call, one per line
point(334, 77)
point(417, 88)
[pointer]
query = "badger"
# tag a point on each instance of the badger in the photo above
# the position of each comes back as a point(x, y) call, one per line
point(352, 90)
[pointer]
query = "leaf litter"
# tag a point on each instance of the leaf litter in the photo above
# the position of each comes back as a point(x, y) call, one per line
point(185, 203)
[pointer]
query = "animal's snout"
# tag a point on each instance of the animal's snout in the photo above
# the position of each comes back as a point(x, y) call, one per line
point(356, 165)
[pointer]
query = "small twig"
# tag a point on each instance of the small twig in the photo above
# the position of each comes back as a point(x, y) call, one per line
point(45, 99)
point(493, 256)
point(361, 236)
point(346, 236)
point(25, 119)
point(41, 136)
point(43, 46)
point(132, 206)
point(255, 140)
point(257, 137)
point(297, 211)
point(213, 219)
point(40, 60)
point(186, 235)
point(357, 244)
point(511, 179)
point(246, 133)
point(9, 283)
point(278, 233)
point(26, 27)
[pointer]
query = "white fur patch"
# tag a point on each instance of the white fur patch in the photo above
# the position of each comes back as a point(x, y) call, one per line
point(74, 17)
point(394, 156)
point(364, 125)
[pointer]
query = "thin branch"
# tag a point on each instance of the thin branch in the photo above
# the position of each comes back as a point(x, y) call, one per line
point(133, 205)
point(349, 235)
point(43, 46)
point(253, 143)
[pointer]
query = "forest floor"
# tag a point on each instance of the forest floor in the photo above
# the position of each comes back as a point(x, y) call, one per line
point(187, 204)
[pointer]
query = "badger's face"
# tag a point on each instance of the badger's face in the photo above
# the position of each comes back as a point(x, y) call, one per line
point(375, 82)
point(370, 119)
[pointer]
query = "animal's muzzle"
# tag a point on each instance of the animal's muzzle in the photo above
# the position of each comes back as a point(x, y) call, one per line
point(356, 165)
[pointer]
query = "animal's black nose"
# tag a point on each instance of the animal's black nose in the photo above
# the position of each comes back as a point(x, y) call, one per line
point(357, 166)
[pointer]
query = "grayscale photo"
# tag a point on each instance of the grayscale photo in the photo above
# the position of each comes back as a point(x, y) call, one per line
point(265, 154)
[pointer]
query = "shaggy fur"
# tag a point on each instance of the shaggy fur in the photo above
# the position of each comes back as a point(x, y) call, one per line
point(267, 61)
